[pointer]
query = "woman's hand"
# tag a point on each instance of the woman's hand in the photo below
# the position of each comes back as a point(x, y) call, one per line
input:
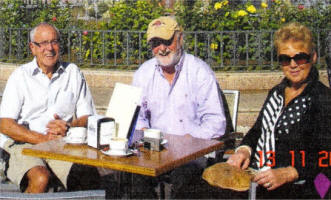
point(273, 178)
point(240, 159)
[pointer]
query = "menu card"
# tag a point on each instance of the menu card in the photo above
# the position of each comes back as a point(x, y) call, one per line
point(124, 107)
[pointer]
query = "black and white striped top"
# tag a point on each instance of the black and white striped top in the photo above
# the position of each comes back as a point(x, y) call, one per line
point(266, 142)
point(277, 121)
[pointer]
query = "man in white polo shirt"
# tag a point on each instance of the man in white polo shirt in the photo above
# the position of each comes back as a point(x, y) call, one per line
point(42, 99)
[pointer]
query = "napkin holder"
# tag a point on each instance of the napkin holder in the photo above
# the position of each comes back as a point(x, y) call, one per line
point(100, 131)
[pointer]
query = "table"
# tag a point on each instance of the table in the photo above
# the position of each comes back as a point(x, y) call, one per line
point(179, 151)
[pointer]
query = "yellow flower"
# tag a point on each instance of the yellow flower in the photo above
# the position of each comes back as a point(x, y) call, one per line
point(227, 14)
point(251, 9)
point(282, 19)
point(277, 1)
point(242, 13)
point(264, 5)
point(218, 5)
point(213, 46)
point(225, 3)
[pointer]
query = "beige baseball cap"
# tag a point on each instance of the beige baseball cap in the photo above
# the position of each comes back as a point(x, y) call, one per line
point(162, 27)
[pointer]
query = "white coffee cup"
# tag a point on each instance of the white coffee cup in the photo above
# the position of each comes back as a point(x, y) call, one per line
point(118, 145)
point(153, 133)
point(76, 135)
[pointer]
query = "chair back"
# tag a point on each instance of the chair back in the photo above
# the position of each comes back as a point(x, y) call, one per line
point(328, 68)
point(232, 100)
point(328, 57)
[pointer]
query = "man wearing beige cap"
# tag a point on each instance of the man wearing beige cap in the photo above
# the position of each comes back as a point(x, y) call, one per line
point(180, 94)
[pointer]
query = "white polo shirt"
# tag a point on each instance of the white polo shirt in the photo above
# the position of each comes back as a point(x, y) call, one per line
point(31, 97)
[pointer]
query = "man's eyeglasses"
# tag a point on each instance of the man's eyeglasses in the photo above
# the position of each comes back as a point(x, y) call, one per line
point(46, 43)
point(157, 42)
point(299, 59)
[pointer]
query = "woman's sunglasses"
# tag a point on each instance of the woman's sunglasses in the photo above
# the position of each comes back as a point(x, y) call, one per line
point(299, 59)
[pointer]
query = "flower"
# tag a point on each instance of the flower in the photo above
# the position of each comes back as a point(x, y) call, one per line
point(301, 7)
point(225, 3)
point(251, 9)
point(264, 5)
point(218, 5)
point(282, 19)
point(213, 46)
point(85, 33)
point(242, 13)
point(227, 14)
point(53, 19)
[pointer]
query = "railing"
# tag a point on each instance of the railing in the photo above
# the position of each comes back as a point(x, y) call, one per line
point(221, 49)
point(37, 3)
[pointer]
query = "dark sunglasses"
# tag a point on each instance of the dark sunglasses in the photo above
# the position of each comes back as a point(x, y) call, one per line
point(157, 42)
point(299, 59)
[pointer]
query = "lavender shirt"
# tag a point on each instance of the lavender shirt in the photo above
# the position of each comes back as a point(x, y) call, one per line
point(191, 105)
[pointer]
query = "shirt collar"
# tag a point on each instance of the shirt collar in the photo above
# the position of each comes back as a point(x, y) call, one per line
point(35, 68)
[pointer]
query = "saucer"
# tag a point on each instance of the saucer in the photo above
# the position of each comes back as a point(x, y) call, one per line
point(67, 140)
point(117, 153)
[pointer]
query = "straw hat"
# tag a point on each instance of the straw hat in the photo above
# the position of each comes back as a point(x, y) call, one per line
point(226, 176)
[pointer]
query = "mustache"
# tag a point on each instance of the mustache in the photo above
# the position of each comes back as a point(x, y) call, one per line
point(164, 53)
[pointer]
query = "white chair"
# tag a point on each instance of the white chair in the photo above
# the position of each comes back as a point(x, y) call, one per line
point(232, 98)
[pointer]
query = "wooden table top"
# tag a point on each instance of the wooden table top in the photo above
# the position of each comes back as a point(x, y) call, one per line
point(178, 151)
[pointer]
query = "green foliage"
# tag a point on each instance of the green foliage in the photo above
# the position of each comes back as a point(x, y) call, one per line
point(16, 14)
point(132, 16)
point(117, 36)
point(12, 15)
point(225, 16)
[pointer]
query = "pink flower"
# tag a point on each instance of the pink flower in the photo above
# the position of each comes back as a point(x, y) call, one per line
point(54, 19)
point(301, 7)
point(85, 33)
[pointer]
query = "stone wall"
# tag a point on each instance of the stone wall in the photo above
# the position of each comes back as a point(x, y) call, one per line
point(253, 87)
point(227, 80)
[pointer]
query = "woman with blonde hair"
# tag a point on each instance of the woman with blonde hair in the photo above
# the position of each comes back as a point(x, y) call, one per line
point(293, 127)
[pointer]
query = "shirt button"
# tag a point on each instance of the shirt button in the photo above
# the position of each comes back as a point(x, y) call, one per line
point(180, 120)
point(276, 138)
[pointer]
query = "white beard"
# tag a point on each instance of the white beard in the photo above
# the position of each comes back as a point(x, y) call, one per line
point(168, 58)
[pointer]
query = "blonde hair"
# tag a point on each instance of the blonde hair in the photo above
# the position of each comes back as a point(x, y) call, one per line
point(295, 32)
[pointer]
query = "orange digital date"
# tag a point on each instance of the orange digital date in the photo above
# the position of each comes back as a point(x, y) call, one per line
point(271, 157)
point(324, 159)
point(325, 155)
